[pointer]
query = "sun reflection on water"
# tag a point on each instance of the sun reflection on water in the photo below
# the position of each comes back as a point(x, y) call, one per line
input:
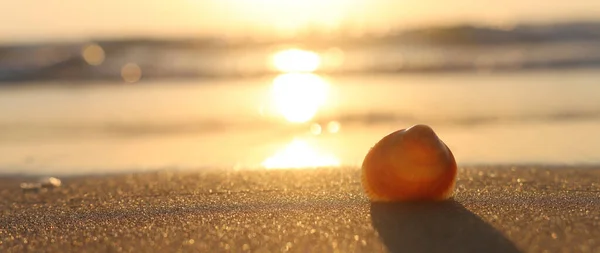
point(296, 60)
point(298, 96)
point(300, 154)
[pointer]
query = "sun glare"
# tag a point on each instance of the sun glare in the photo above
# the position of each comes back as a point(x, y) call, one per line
point(296, 60)
point(290, 17)
point(298, 96)
point(300, 154)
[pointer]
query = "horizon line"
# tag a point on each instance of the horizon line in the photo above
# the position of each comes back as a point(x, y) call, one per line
point(308, 31)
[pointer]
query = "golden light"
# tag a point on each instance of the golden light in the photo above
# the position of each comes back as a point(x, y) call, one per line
point(300, 154)
point(296, 60)
point(298, 97)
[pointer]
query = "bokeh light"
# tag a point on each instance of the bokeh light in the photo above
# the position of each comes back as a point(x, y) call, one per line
point(333, 127)
point(131, 72)
point(316, 129)
point(93, 54)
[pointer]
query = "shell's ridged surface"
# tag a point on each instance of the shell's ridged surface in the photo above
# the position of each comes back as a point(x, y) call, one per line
point(409, 164)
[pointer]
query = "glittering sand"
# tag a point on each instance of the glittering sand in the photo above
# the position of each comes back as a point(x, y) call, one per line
point(496, 209)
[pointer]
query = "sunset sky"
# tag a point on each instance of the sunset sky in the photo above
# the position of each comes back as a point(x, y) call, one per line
point(35, 20)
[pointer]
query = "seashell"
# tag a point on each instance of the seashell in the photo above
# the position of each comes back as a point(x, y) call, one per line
point(409, 164)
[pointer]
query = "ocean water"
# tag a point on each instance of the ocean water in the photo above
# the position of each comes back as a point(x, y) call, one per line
point(296, 120)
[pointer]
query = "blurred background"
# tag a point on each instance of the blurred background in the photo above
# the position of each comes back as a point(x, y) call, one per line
point(113, 86)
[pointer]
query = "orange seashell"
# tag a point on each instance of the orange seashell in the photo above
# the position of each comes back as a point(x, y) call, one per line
point(409, 164)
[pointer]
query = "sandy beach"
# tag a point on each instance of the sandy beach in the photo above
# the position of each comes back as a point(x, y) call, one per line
point(495, 209)
point(242, 126)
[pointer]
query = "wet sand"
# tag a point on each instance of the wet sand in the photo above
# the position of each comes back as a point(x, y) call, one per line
point(496, 209)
